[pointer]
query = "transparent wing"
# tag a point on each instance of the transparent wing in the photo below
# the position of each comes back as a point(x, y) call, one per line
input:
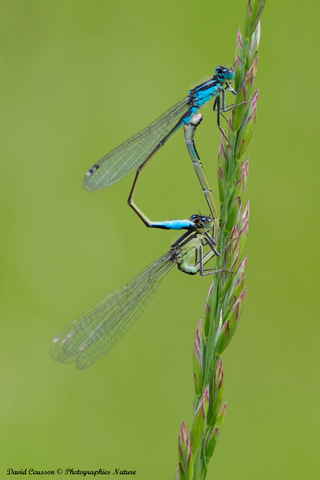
point(126, 158)
point(93, 334)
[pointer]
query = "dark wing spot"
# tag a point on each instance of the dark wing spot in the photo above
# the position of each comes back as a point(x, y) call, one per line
point(93, 169)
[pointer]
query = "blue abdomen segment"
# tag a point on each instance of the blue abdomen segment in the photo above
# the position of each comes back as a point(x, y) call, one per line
point(173, 224)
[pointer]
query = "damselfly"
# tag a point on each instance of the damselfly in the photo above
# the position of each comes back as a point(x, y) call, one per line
point(135, 153)
point(94, 333)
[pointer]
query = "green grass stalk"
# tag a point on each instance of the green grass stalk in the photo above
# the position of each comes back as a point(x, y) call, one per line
point(226, 296)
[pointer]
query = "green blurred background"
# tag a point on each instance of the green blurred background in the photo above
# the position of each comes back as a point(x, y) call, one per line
point(78, 78)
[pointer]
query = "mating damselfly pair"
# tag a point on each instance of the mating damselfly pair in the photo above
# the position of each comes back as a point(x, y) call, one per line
point(92, 335)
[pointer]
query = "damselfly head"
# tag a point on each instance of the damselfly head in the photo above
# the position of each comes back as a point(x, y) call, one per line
point(226, 74)
point(202, 222)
